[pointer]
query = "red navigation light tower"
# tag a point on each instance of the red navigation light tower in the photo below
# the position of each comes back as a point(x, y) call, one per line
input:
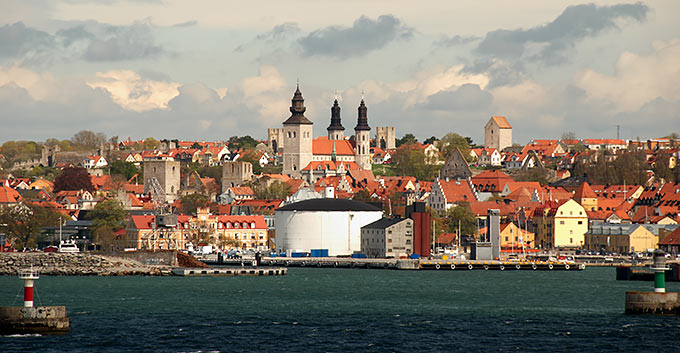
point(28, 275)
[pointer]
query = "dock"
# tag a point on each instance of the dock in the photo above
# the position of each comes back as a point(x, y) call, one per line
point(230, 271)
point(419, 264)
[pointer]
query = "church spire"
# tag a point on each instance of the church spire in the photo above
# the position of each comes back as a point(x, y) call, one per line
point(297, 109)
point(336, 124)
point(362, 121)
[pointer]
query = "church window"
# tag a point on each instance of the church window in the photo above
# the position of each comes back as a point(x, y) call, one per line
point(289, 135)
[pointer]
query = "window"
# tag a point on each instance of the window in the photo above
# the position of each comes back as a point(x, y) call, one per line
point(561, 222)
point(580, 222)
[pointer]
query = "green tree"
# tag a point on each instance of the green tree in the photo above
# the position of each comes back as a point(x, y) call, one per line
point(661, 167)
point(533, 174)
point(410, 161)
point(464, 215)
point(73, 178)
point(150, 143)
point(108, 214)
point(408, 139)
point(88, 139)
point(276, 190)
point(430, 140)
point(23, 223)
point(362, 195)
point(450, 142)
point(247, 142)
point(190, 203)
point(126, 169)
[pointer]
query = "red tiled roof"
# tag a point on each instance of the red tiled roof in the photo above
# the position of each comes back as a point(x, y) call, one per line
point(673, 238)
point(242, 190)
point(248, 220)
point(9, 195)
point(142, 221)
point(457, 191)
point(584, 192)
point(324, 146)
point(502, 122)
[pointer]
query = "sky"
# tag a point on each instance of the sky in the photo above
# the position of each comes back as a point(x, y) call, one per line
point(211, 69)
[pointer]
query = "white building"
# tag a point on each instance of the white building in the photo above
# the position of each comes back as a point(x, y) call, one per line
point(333, 224)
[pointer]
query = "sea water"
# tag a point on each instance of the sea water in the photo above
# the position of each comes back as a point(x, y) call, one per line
point(340, 310)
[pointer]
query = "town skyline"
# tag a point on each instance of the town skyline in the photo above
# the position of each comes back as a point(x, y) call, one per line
point(167, 70)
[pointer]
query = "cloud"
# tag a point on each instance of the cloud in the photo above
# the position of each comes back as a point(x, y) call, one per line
point(133, 93)
point(189, 23)
point(549, 43)
point(280, 31)
point(466, 97)
point(638, 79)
point(17, 40)
point(365, 36)
point(124, 43)
point(456, 40)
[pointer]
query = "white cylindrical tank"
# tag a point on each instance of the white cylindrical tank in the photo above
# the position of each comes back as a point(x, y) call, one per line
point(333, 224)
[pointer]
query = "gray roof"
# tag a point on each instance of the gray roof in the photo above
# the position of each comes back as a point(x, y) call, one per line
point(612, 229)
point(329, 205)
point(384, 223)
point(654, 228)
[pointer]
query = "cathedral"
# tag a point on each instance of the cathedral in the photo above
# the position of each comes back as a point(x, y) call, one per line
point(329, 155)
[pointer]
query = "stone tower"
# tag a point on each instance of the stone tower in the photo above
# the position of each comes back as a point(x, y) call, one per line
point(362, 139)
point(385, 137)
point(235, 173)
point(335, 130)
point(497, 133)
point(166, 171)
point(297, 137)
point(275, 139)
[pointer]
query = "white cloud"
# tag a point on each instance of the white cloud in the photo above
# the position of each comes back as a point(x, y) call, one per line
point(639, 79)
point(134, 93)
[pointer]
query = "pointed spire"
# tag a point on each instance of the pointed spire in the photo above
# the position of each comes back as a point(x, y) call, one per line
point(336, 124)
point(362, 121)
point(333, 153)
point(297, 108)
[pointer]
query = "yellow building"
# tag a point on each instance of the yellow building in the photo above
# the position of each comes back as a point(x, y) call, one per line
point(511, 234)
point(561, 226)
point(223, 232)
point(620, 238)
point(586, 197)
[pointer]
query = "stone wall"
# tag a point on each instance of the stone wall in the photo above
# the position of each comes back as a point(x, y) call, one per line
point(81, 264)
point(151, 258)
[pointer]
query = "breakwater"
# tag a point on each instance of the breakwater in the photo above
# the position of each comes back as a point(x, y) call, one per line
point(79, 264)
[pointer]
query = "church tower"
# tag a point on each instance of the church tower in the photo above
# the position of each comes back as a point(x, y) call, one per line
point(335, 130)
point(297, 137)
point(362, 139)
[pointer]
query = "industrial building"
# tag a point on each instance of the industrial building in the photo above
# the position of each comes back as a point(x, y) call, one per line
point(387, 238)
point(332, 224)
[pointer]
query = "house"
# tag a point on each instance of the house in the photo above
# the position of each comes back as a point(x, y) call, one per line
point(134, 158)
point(94, 162)
point(8, 196)
point(488, 156)
point(608, 144)
point(513, 237)
point(239, 193)
point(671, 242)
point(560, 225)
point(448, 193)
point(620, 238)
point(387, 238)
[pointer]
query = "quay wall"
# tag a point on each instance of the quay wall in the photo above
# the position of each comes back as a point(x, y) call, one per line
point(78, 264)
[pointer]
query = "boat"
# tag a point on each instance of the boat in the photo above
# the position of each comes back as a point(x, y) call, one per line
point(68, 246)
